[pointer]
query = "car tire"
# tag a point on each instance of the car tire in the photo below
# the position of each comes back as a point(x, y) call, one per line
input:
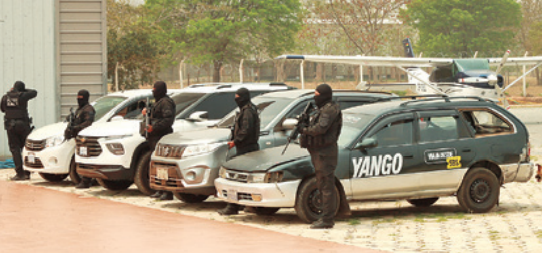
point(141, 178)
point(74, 176)
point(190, 198)
point(307, 203)
point(479, 191)
point(266, 211)
point(53, 177)
point(114, 185)
point(422, 202)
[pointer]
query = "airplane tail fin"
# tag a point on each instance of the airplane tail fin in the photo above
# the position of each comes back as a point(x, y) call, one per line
point(408, 48)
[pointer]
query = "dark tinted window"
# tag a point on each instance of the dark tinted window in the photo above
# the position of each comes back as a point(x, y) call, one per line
point(396, 133)
point(268, 108)
point(184, 100)
point(438, 128)
point(217, 105)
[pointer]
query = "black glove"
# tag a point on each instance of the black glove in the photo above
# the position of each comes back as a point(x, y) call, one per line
point(68, 133)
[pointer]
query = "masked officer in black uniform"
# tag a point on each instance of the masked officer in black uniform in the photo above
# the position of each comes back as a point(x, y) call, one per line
point(162, 118)
point(17, 123)
point(84, 116)
point(320, 138)
point(245, 134)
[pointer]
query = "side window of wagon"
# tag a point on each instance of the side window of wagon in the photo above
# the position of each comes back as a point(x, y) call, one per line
point(486, 122)
point(395, 133)
point(439, 128)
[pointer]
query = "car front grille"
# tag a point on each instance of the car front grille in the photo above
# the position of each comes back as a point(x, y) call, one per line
point(240, 195)
point(174, 179)
point(36, 164)
point(90, 143)
point(33, 145)
point(236, 176)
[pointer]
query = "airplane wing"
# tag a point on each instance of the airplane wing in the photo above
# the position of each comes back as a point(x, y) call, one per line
point(531, 60)
point(374, 60)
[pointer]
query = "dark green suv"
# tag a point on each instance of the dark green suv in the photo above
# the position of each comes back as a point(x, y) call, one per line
point(417, 150)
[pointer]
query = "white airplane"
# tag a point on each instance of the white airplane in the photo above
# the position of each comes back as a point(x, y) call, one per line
point(451, 77)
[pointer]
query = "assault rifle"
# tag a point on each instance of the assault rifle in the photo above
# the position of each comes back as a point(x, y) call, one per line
point(145, 123)
point(302, 120)
point(71, 121)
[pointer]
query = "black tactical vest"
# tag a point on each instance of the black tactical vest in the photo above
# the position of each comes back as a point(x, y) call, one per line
point(15, 107)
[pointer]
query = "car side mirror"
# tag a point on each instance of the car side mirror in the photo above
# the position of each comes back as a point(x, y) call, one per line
point(366, 143)
point(289, 124)
point(198, 116)
point(117, 118)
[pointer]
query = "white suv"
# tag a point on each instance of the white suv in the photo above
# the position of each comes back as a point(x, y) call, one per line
point(48, 153)
point(117, 155)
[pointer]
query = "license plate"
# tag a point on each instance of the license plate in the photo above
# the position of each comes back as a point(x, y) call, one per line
point(83, 151)
point(232, 195)
point(31, 157)
point(161, 173)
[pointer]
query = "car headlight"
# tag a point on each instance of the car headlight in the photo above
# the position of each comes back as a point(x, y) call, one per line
point(200, 149)
point(273, 177)
point(222, 172)
point(173, 151)
point(256, 178)
point(54, 141)
point(115, 148)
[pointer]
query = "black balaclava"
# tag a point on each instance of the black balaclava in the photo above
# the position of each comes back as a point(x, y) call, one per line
point(159, 90)
point(82, 97)
point(244, 97)
point(19, 86)
point(325, 95)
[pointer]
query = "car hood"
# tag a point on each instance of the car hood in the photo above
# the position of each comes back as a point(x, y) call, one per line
point(208, 135)
point(120, 127)
point(48, 131)
point(266, 159)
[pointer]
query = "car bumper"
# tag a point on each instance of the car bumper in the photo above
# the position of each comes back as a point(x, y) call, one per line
point(521, 172)
point(108, 172)
point(258, 194)
point(194, 175)
point(52, 160)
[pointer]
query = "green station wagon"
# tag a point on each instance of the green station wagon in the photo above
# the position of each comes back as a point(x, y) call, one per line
point(418, 150)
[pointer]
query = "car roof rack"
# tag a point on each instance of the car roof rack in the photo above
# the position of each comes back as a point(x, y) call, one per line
point(446, 99)
point(413, 97)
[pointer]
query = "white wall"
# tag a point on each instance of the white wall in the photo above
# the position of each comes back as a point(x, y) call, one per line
point(27, 53)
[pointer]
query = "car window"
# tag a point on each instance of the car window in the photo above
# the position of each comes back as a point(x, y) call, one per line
point(395, 133)
point(485, 122)
point(105, 104)
point(268, 108)
point(133, 110)
point(438, 128)
point(184, 100)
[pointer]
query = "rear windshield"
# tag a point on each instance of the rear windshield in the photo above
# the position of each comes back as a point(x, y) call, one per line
point(105, 104)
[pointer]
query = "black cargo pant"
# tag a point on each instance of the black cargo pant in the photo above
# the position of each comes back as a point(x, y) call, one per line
point(18, 130)
point(241, 151)
point(324, 160)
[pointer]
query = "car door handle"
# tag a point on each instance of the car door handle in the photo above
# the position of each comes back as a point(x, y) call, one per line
point(408, 156)
point(466, 150)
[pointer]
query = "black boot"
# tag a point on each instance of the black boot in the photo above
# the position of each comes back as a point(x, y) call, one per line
point(19, 177)
point(167, 195)
point(230, 209)
point(156, 195)
point(84, 184)
point(321, 224)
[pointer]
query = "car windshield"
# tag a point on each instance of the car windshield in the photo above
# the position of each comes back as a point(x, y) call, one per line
point(105, 104)
point(184, 100)
point(353, 125)
point(268, 108)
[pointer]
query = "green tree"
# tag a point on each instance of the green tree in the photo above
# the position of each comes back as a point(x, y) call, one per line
point(223, 31)
point(461, 27)
point(131, 47)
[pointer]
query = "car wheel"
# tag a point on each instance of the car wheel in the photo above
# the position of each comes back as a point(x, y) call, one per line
point(141, 178)
point(74, 176)
point(114, 185)
point(265, 211)
point(308, 205)
point(53, 177)
point(479, 191)
point(422, 202)
point(190, 198)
